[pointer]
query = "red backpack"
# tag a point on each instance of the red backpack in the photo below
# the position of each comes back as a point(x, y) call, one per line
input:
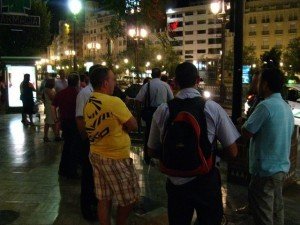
point(186, 150)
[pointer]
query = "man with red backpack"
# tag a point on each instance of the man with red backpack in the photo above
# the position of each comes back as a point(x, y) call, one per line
point(182, 135)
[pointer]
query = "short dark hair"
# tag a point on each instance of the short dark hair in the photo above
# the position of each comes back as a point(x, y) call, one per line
point(98, 75)
point(274, 78)
point(50, 83)
point(156, 72)
point(186, 75)
point(73, 79)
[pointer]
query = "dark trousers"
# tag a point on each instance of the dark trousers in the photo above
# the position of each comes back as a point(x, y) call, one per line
point(87, 181)
point(202, 194)
point(70, 154)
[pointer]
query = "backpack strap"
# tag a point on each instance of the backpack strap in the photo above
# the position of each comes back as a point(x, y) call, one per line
point(147, 97)
point(195, 106)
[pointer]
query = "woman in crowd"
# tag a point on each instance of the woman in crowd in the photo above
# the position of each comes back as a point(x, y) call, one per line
point(48, 95)
point(27, 89)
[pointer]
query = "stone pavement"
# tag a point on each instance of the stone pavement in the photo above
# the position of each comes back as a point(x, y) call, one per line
point(32, 193)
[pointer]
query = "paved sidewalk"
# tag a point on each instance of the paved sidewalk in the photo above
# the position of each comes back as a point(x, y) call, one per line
point(31, 192)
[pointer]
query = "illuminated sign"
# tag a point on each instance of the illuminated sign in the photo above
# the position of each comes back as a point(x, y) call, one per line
point(20, 20)
point(15, 77)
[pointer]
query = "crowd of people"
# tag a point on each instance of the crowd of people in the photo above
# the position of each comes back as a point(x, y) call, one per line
point(181, 131)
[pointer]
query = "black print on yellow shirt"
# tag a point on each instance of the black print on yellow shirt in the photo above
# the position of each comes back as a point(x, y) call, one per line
point(99, 135)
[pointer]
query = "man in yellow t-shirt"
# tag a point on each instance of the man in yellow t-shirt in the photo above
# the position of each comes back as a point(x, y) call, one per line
point(108, 122)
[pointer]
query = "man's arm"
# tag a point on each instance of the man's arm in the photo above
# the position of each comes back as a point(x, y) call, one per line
point(231, 150)
point(246, 134)
point(130, 125)
point(81, 127)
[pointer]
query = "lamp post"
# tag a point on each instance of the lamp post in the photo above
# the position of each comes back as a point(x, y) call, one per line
point(219, 8)
point(75, 7)
point(137, 34)
point(95, 46)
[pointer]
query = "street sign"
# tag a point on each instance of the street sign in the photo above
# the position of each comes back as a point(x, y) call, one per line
point(19, 20)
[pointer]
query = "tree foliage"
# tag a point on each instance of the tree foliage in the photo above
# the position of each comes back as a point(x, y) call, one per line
point(249, 57)
point(271, 58)
point(291, 56)
point(27, 41)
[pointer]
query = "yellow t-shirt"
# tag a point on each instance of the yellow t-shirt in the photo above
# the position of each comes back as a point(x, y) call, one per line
point(104, 116)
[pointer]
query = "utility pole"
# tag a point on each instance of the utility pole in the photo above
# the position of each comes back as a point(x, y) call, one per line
point(237, 86)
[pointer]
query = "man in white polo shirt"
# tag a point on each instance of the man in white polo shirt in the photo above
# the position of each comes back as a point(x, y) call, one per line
point(87, 199)
point(160, 92)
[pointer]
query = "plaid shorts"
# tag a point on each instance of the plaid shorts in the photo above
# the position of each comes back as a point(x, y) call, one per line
point(116, 177)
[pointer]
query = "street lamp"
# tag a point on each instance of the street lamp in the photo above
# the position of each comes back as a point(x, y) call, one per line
point(219, 8)
point(137, 34)
point(75, 7)
point(95, 46)
point(158, 57)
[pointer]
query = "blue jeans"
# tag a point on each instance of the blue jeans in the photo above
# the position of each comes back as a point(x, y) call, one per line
point(265, 199)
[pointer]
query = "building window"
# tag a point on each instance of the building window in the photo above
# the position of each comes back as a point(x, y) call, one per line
point(176, 34)
point(203, 11)
point(189, 32)
point(293, 28)
point(189, 13)
point(179, 52)
point(179, 15)
point(189, 23)
point(189, 52)
point(293, 17)
point(201, 31)
point(201, 22)
point(265, 30)
point(214, 41)
point(203, 41)
point(252, 20)
point(214, 51)
point(265, 19)
point(279, 18)
point(176, 43)
point(214, 30)
point(278, 44)
point(201, 51)
point(189, 42)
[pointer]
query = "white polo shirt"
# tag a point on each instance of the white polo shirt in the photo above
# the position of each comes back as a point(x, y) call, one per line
point(160, 92)
point(82, 98)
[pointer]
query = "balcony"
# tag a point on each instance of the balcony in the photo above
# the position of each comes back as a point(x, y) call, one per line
point(265, 47)
point(265, 32)
point(292, 31)
point(252, 33)
point(278, 31)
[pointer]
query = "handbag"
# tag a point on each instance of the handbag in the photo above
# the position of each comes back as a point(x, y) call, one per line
point(148, 111)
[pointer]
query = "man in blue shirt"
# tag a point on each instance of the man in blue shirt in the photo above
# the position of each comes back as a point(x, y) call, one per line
point(270, 128)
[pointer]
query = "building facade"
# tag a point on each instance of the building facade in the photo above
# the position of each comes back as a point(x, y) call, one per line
point(97, 43)
point(271, 23)
point(196, 32)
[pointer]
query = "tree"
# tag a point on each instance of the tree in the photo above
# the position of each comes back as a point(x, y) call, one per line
point(291, 56)
point(271, 58)
point(249, 57)
point(27, 41)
